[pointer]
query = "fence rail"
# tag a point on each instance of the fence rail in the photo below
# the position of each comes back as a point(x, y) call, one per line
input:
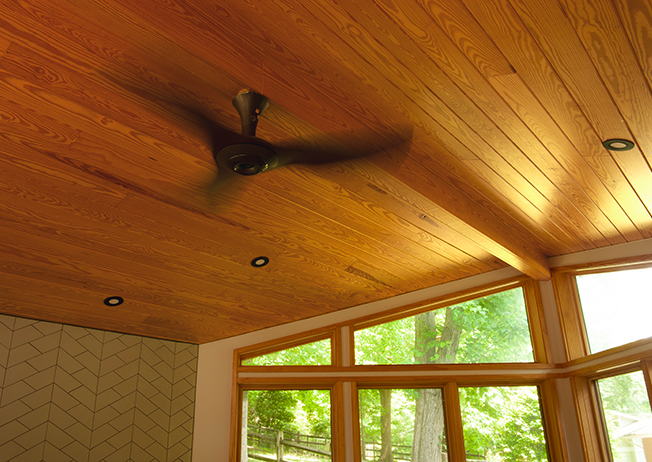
point(280, 439)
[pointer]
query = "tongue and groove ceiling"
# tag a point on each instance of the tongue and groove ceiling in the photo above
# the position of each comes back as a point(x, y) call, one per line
point(496, 110)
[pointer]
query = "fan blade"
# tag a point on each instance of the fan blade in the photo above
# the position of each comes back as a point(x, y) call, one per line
point(399, 147)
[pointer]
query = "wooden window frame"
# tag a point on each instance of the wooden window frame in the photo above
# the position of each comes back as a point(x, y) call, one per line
point(584, 368)
point(574, 334)
point(533, 308)
point(539, 373)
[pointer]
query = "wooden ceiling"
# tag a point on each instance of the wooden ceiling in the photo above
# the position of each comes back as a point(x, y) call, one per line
point(107, 176)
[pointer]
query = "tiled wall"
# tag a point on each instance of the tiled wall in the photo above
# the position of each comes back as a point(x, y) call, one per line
point(74, 394)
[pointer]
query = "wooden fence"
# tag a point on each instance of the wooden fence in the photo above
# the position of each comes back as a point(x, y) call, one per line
point(277, 440)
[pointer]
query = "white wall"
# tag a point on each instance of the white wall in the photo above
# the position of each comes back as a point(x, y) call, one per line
point(215, 368)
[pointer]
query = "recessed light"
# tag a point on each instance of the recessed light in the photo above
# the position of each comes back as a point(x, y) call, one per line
point(259, 262)
point(113, 301)
point(616, 144)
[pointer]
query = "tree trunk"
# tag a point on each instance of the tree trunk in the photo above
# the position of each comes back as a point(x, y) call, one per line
point(427, 444)
point(386, 425)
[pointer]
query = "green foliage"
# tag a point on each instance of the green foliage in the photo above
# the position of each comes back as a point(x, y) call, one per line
point(493, 329)
point(504, 422)
point(299, 411)
point(311, 354)
point(273, 409)
point(625, 393)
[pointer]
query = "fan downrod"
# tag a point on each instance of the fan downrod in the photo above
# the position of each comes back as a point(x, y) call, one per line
point(250, 106)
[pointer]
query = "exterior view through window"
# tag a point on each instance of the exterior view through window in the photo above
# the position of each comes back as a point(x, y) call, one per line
point(310, 354)
point(502, 424)
point(491, 329)
point(402, 424)
point(286, 425)
point(617, 307)
point(626, 412)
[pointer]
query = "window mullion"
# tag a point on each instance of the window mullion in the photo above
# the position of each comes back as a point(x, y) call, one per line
point(454, 430)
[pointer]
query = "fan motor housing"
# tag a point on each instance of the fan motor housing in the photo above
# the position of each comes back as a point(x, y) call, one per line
point(246, 158)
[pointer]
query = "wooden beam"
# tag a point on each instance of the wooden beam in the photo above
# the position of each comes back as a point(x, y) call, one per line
point(497, 235)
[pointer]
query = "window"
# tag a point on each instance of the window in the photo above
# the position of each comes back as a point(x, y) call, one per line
point(396, 381)
point(617, 307)
point(490, 329)
point(291, 425)
point(310, 354)
point(503, 424)
point(627, 416)
point(409, 424)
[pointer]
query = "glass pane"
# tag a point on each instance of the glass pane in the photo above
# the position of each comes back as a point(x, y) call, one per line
point(311, 354)
point(626, 411)
point(502, 424)
point(289, 425)
point(402, 424)
point(492, 329)
point(617, 307)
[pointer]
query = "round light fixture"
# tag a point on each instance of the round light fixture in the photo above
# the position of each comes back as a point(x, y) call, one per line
point(616, 144)
point(113, 301)
point(259, 262)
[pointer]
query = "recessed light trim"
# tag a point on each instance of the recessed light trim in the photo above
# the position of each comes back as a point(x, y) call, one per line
point(113, 301)
point(259, 262)
point(616, 144)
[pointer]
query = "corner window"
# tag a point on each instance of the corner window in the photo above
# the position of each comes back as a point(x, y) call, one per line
point(616, 306)
point(627, 416)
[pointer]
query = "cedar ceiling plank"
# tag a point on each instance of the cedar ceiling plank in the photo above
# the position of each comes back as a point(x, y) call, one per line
point(4, 45)
point(111, 228)
point(310, 252)
point(88, 151)
point(69, 266)
point(535, 70)
point(42, 161)
point(345, 182)
point(55, 29)
point(467, 134)
point(330, 88)
point(445, 54)
point(460, 25)
point(50, 217)
point(549, 26)
point(53, 305)
point(601, 200)
point(559, 242)
point(130, 109)
point(126, 240)
point(601, 30)
point(277, 213)
point(350, 209)
point(285, 72)
point(636, 18)
point(85, 119)
point(77, 295)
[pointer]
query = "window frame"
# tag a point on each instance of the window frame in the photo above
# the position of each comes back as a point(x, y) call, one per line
point(341, 375)
point(583, 368)
point(575, 338)
point(533, 309)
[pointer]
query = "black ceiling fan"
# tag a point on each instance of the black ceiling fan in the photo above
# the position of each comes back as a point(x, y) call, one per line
point(246, 154)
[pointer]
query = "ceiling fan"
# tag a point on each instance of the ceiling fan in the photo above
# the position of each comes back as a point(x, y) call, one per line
point(246, 154)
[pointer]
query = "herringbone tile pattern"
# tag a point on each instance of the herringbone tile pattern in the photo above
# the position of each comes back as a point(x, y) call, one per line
point(25, 404)
point(74, 394)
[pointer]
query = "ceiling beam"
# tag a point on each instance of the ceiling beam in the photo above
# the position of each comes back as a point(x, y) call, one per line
point(501, 236)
